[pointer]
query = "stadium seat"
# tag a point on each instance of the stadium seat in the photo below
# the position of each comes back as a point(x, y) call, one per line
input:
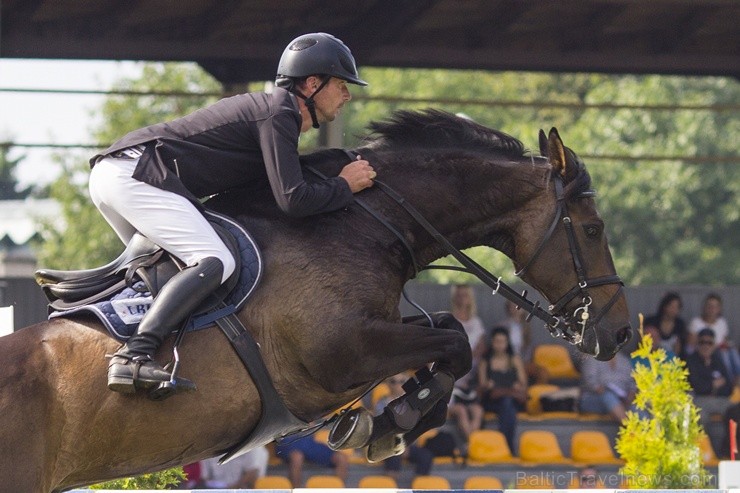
point(735, 397)
point(273, 483)
point(533, 396)
point(430, 483)
point(482, 483)
point(592, 447)
point(556, 360)
point(381, 390)
point(489, 447)
point(373, 481)
point(708, 456)
point(324, 481)
point(541, 447)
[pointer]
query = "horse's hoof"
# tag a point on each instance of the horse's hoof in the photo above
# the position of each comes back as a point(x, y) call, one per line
point(385, 447)
point(352, 430)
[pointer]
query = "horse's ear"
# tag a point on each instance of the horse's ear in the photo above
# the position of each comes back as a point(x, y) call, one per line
point(543, 143)
point(556, 151)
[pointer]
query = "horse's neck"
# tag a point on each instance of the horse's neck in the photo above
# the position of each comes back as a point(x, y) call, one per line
point(465, 201)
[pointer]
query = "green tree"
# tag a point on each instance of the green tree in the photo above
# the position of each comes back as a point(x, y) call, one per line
point(660, 442)
point(9, 187)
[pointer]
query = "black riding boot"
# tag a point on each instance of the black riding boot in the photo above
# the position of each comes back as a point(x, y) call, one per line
point(133, 365)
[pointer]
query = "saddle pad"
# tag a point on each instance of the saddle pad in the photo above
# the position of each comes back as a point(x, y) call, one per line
point(122, 311)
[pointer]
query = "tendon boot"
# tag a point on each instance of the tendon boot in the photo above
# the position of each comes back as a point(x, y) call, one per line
point(133, 367)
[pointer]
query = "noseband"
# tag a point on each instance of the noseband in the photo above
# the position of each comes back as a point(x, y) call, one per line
point(572, 328)
point(558, 322)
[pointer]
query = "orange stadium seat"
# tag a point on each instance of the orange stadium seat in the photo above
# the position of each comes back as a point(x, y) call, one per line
point(556, 360)
point(377, 481)
point(708, 456)
point(489, 447)
point(324, 481)
point(273, 483)
point(592, 447)
point(533, 396)
point(430, 483)
point(483, 483)
point(541, 447)
point(381, 390)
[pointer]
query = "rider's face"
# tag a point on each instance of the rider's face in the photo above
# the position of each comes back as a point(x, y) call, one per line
point(330, 99)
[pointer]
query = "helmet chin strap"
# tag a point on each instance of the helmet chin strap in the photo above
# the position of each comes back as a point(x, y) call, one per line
point(310, 103)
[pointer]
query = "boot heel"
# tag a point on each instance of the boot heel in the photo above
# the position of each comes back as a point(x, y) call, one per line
point(124, 385)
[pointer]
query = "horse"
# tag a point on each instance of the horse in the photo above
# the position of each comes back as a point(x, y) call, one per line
point(326, 313)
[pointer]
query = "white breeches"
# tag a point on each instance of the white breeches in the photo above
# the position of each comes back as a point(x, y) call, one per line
point(168, 219)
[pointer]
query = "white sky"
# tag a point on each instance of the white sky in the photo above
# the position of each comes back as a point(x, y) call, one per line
point(52, 118)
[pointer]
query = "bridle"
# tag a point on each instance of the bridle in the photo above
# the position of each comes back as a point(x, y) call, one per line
point(558, 322)
point(567, 328)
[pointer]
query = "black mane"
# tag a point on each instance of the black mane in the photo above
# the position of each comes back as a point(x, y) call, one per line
point(438, 129)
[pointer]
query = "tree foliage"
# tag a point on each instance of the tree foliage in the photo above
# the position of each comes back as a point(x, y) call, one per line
point(9, 186)
point(668, 222)
point(660, 442)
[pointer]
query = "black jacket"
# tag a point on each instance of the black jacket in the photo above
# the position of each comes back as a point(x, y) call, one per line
point(229, 144)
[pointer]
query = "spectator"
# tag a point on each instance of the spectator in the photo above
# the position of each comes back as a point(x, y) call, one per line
point(708, 377)
point(465, 406)
point(421, 457)
point(240, 472)
point(502, 382)
point(464, 310)
point(607, 387)
point(521, 341)
point(296, 452)
point(711, 317)
point(732, 413)
point(587, 478)
point(670, 326)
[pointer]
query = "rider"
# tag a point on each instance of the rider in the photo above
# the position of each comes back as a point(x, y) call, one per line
point(150, 181)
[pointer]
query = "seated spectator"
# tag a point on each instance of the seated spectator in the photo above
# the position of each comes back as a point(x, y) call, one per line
point(587, 478)
point(240, 472)
point(466, 409)
point(708, 377)
point(464, 309)
point(295, 452)
point(502, 383)
point(607, 387)
point(711, 318)
point(192, 477)
point(521, 341)
point(732, 413)
point(421, 457)
point(670, 326)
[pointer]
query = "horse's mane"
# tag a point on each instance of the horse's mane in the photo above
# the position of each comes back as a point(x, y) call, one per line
point(438, 129)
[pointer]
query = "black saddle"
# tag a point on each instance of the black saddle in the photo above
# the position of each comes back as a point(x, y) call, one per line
point(142, 260)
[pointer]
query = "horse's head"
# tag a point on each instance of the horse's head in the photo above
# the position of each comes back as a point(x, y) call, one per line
point(563, 253)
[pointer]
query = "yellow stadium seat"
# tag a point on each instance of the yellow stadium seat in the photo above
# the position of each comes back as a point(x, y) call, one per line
point(592, 447)
point(430, 483)
point(482, 483)
point(373, 481)
point(533, 396)
point(556, 360)
point(534, 482)
point(707, 452)
point(735, 397)
point(489, 447)
point(273, 483)
point(381, 390)
point(541, 447)
point(324, 481)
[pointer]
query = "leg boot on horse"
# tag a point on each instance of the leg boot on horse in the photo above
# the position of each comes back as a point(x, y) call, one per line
point(133, 366)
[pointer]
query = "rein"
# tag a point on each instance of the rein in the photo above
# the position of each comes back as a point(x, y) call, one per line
point(559, 324)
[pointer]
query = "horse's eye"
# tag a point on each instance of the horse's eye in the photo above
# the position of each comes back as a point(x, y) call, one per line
point(592, 230)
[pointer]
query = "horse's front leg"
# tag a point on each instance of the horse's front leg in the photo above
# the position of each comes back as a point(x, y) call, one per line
point(424, 404)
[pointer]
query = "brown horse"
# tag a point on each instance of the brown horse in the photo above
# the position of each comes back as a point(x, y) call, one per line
point(326, 313)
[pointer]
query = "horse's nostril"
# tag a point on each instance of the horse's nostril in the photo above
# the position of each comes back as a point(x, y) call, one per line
point(624, 334)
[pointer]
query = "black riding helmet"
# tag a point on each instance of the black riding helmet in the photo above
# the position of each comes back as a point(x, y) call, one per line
point(316, 54)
